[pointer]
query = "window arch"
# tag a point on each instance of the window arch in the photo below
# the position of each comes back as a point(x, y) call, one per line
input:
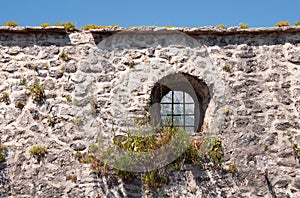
point(179, 100)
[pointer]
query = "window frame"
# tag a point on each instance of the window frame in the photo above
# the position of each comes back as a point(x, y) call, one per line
point(172, 103)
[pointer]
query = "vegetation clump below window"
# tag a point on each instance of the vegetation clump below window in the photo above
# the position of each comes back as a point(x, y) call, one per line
point(11, 24)
point(141, 144)
point(154, 179)
point(282, 24)
point(138, 144)
point(216, 153)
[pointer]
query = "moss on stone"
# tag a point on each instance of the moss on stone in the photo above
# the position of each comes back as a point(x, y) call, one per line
point(243, 26)
point(92, 26)
point(221, 26)
point(45, 25)
point(69, 26)
point(282, 24)
point(11, 24)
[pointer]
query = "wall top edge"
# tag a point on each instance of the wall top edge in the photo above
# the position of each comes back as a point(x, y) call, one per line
point(114, 29)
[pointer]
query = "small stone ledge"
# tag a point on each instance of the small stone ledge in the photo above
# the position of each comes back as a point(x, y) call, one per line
point(237, 30)
point(28, 29)
point(193, 31)
point(200, 31)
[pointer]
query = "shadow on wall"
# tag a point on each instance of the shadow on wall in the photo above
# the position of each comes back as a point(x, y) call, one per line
point(197, 182)
point(36, 38)
point(143, 39)
point(134, 39)
point(5, 181)
point(251, 39)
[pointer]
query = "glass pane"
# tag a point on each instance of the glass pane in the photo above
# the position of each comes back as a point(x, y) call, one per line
point(178, 108)
point(190, 129)
point(189, 108)
point(167, 98)
point(188, 98)
point(178, 120)
point(189, 120)
point(165, 109)
point(178, 96)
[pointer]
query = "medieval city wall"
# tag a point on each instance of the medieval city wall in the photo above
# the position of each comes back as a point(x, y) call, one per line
point(100, 82)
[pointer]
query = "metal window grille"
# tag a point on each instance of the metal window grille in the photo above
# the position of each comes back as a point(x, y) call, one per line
point(178, 109)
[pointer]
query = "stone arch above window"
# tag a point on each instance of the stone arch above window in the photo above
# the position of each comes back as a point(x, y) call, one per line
point(179, 100)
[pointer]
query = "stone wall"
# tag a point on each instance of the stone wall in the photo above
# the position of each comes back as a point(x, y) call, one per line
point(100, 82)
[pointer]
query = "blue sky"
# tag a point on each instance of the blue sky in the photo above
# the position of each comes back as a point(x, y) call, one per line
point(126, 13)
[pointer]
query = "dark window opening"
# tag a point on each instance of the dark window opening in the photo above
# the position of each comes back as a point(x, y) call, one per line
point(179, 100)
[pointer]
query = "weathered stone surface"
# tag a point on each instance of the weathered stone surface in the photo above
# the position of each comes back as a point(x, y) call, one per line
point(283, 126)
point(70, 67)
point(78, 146)
point(56, 73)
point(294, 57)
point(283, 183)
point(106, 85)
point(10, 67)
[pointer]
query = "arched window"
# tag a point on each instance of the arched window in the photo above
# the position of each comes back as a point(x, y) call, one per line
point(179, 100)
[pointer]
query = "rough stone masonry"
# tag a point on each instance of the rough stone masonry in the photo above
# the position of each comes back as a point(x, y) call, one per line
point(103, 79)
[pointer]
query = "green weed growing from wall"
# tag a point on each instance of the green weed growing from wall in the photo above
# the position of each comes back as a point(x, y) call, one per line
point(37, 92)
point(38, 151)
point(145, 144)
point(5, 98)
point(2, 156)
